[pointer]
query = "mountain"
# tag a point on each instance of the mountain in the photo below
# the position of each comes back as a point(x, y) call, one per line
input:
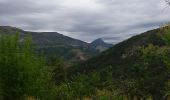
point(122, 54)
point(100, 45)
point(53, 43)
point(44, 39)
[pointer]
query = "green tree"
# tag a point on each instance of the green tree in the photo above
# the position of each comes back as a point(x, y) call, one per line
point(155, 63)
point(148, 75)
point(166, 34)
point(57, 68)
point(22, 73)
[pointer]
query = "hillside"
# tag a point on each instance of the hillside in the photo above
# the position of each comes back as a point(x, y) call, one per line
point(55, 44)
point(122, 54)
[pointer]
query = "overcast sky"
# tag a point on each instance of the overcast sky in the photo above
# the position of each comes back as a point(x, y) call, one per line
point(112, 20)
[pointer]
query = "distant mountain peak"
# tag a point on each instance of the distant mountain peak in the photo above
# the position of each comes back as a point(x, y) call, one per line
point(100, 45)
point(99, 40)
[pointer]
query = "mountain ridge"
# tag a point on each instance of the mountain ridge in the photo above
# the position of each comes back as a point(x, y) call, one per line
point(54, 43)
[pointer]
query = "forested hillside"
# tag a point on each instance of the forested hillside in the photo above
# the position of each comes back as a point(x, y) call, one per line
point(138, 68)
point(124, 53)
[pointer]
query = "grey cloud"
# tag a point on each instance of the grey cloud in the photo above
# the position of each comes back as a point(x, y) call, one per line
point(16, 7)
point(112, 20)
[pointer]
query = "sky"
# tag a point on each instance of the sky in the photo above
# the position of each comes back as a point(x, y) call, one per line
point(87, 20)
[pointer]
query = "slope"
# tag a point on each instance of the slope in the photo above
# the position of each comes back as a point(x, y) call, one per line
point(122, 54)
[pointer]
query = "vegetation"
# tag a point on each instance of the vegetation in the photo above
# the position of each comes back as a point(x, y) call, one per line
point(140, 65)
point(136, 69)
point(22, 73)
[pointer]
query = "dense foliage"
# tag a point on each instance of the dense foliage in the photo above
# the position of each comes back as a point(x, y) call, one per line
point(22, 74)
